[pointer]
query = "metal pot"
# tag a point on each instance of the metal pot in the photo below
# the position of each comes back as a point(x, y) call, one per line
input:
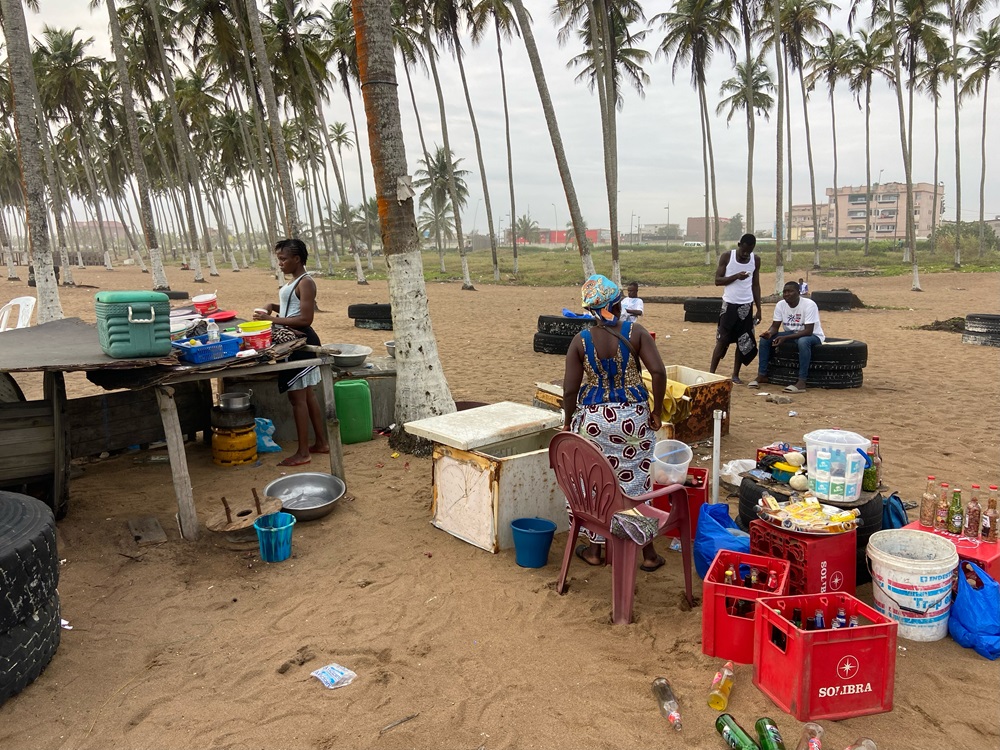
point(235, 401)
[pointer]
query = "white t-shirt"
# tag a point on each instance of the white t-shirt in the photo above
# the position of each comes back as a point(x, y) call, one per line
point(631, 303)
point(794, 319)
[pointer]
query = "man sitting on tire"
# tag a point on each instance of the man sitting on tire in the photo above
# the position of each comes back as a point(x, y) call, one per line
point(800, 318)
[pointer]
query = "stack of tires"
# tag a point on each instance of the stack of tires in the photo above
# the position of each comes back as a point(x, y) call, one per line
point(702, 309)
point(29, 602)
point(836, 363)
point(555, 333)
point(982, 329)
point(837, 300)
point(373, 316)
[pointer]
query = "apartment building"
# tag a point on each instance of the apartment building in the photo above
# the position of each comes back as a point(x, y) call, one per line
point(886, 205)
point(799, 225)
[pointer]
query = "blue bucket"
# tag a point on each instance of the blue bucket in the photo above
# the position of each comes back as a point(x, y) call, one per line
point(274, 534)
point(532, 539)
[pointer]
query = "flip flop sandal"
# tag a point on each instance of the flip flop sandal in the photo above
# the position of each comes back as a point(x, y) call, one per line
point(793, 389)
point(579, 553)
point(656, 566)
point(753, 384)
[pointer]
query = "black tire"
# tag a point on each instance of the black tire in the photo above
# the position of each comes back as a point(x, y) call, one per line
point(562, 326)
point(833, 301)
point(28, 647)
point(10, 391)
point(981, 339)
point(982, 323)
point(817, 379)
point(29, 564)
point(176, 294)
point(704, 305)
point(847, 352)
point(373, 325)
point(373, 311)
point(701, 317)
point(551, 343)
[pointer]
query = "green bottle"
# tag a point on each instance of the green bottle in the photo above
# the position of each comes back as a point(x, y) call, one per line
point(956, 517)
point(768, 735)
point(734, 735)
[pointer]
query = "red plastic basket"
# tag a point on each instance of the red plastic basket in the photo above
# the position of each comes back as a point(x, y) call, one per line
point(824, 674)
point(727, 613)
point(819, 564)
point(697, 496)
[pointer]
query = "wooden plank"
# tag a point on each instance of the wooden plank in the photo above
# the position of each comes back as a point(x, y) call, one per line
point(187, 517)
point(146, 531)
point(54, 388)
point(27, 450)
point(329, 408)
point(36, 465)
point(15, 436)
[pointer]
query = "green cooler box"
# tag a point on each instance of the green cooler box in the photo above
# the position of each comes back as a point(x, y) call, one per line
point(133, 324)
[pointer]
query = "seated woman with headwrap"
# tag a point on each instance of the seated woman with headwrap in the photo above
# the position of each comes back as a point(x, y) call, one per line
point(606, 401)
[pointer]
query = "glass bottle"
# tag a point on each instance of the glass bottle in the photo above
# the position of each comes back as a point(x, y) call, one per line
point(877, 458)
point(212, 329)
point(990, 517)
point(731, 574)
point(668, 703)
point(955, 512)
point(811, 737)
point(863, 743)
point(772, 580)
point(768, 736)
point(797, 617)
point(973, 515)
point(869, 478)
point(722, 686)
point(819, 619)
point(941, 512)
point(928, 503)
point(734, 735)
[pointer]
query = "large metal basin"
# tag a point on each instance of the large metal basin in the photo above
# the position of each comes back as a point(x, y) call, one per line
point(308, 495)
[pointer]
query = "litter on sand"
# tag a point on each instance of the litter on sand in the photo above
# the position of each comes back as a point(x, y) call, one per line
point(334, 676)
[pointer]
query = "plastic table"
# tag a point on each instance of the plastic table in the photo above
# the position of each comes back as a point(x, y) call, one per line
point(986, 556)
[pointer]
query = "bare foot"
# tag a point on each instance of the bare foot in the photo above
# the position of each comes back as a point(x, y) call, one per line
point(319, 448)
point(736, 379)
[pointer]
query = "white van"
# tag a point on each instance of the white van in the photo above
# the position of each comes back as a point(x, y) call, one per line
point(692, 243)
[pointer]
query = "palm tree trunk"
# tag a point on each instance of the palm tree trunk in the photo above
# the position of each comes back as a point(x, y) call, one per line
point(8, 254)
point(868, 165)
point(934, 205)
point(427, 156)
point(788, 148)
point(711, 172)
point(911, 238)
point(751, 138)
point(956, 60)
point(982, 174)
point(506, 129)
point(779, 152)
point(704, 162)
point(812, 171)
point(579, 227)
point(836, 201)
point(421, 388)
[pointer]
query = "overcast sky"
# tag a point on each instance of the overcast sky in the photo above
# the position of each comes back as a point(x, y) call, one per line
point(659, 145)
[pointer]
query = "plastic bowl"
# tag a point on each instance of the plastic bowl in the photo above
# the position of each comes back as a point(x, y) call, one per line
point(390, 347)
point(671, 459)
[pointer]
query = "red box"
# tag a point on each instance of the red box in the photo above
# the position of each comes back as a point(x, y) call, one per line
point(819, 563)
point(697, 496)
point(986, 556)
point(727, 612)
point(824, 674)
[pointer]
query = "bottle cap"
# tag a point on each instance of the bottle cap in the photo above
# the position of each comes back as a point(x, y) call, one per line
point(944, 484)
point(875, 438)
point(930, 476)
point(975, 486)
point(993, 487)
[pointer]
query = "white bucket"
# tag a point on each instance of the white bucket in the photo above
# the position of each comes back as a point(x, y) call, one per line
point(912, 574)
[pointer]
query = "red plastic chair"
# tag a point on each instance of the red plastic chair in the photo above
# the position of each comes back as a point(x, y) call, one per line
point(591, 486)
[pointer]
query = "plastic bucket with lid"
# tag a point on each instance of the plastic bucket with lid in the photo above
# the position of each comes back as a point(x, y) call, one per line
point(256, 334)
point(532, 540)
point(912, 574)
point(670, 462)
point(835, 465)
point(206, 303)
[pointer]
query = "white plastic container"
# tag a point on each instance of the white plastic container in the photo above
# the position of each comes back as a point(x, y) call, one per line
point(834, 472)
point(671, 459)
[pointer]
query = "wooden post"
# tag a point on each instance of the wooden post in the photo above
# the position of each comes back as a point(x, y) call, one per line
point(332, 424)
point(54, 390)
point(187, 517)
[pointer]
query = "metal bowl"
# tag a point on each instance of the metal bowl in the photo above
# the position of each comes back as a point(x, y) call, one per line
point(390, 347)
point(308, 495)
point(347, 355)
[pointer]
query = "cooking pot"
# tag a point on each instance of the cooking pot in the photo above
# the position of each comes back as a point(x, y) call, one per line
point(234, 401)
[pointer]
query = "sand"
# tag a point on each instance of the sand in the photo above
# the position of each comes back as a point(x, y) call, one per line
point(192, 645)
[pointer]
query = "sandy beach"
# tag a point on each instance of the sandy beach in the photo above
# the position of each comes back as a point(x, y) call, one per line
point(193, 645)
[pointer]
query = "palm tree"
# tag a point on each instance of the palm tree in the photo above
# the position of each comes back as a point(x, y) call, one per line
point(779, 149)
point(695, 30)
point(434, 181)
point(421, 389)
point(984, 58)
point(931, 74)
point(525, 228)
point(524, 21)
point(750, 91)
point(829, 63)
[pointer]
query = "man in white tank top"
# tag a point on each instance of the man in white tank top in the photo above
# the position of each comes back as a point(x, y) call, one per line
point(739, 272)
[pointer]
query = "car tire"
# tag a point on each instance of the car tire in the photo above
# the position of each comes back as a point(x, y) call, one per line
point(28, 647)
point(831, 301)
point(981, 339)
point(176, 294)
point(373, 311)
point(817, 379)
point(29, 564)
point(551, 343)
point(982, 323)
point(10, 391)
point(848, 353)
point(701, 317)
point(563, 326)
point(373, 325)
point(704, 305)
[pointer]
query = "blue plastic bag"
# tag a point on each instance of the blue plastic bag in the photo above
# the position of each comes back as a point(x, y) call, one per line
point(716, 530)
point(975, 614)
point(265, 429)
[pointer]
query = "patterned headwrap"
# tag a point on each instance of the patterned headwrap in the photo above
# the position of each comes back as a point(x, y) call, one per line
point(598, 294)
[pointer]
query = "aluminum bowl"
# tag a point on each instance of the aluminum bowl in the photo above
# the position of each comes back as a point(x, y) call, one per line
point(308, 495)
point(347, 355)
point(390, 347)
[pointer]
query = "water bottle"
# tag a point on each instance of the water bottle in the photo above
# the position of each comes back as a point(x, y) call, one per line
point(863, 743)
point(722, 686)
point(811, 737)
point(768, 736)
point(668, 703)
point(734, 735)
point(212, 329)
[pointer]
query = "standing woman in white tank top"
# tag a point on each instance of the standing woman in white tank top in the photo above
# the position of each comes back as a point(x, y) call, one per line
point(739, 273)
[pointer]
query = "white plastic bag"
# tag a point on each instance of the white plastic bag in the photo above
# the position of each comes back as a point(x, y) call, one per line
point(731, 470)
point(334, 676)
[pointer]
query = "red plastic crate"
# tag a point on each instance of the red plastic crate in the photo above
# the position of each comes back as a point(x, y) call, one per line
point(819, 564)
point(824, 674)
point(697, 496)
point(727, 612)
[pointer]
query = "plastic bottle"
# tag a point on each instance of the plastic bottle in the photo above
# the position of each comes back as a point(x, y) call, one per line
point(869, 477)
point(819, 619)
point(722, 686)
point(668, 703)
point(990, 518)
point(863, 743)
point(734, 735)
point(941, 511)
point(955, 512)
point(768, 736)
point(973, 515)
point(877, 458)
point(928, 503)
point(811, 737)
point(212, 330)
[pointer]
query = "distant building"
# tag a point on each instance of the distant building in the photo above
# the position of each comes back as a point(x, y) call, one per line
point(696, 229)
point(559, 236)
point(885, 205)
point(799, 226)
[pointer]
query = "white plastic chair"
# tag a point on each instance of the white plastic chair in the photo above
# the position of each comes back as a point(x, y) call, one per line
point(27, 307)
